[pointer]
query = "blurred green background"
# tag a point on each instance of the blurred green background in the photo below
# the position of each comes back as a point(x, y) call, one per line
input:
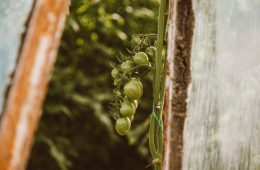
point(76, 131)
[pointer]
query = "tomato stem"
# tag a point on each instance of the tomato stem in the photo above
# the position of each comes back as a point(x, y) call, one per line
point(159, 75)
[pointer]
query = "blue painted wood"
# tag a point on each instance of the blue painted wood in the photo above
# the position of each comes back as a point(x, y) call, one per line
point(13, 16)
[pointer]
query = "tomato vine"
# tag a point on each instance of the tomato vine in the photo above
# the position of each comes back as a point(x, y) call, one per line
point(143, 58)
point(127, 75)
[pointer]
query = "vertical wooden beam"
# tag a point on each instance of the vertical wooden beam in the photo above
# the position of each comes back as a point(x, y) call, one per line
point(24, 102)
point(181, 25)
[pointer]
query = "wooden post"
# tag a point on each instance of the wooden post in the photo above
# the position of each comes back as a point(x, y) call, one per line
point(23, 106)
point(180, 33)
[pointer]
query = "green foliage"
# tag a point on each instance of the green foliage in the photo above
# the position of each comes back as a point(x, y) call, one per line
point(77, 131)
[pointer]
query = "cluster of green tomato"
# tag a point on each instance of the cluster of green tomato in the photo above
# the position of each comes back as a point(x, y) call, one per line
point(131, 90)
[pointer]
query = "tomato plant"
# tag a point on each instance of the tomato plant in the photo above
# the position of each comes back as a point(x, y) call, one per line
point(134, 66)
point(127, 75)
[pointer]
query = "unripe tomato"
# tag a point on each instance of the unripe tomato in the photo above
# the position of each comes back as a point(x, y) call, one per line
point(126, 66)
point(114, 73)
point(131, 117)
point(151, 52)
point(135, 102)
point(137, 41)
point(123, 125)
point(141, 58)
point(127, 109)
point(133, 89)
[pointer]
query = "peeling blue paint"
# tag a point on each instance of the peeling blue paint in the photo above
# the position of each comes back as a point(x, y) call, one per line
point(13, 16)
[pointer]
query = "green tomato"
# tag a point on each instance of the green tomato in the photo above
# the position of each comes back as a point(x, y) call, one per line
point(151, 52)
point(123, 125)
point(114, 73)
point(135, 102)
point(133, 89)
point(136, 41)
point(126, 66)
point(141, 58)
point(127, 109)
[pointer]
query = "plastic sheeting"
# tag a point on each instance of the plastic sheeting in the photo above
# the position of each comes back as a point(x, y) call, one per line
point(222, 130)
point(13, 17)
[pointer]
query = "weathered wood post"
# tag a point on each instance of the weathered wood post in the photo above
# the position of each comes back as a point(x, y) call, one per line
point(22, 108)
point(180, 33)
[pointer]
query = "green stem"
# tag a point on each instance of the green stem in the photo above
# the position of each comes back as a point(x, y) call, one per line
point(162, 91)
point(159, 48)
point(155, 131)
point(151, 138)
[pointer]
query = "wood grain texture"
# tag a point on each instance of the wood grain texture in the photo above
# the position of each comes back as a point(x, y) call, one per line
point(181, 25)
point(24, 102)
